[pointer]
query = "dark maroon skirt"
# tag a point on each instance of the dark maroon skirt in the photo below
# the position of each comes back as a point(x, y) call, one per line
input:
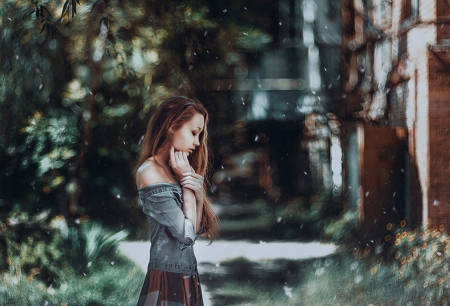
point(163, 288)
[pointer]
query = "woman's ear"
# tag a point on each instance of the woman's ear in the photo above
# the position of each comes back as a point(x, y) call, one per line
point(170, 134)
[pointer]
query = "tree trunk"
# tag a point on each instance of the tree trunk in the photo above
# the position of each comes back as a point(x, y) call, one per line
point(96, 69)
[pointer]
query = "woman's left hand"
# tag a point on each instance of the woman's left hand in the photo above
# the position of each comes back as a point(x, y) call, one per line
point(194, 182)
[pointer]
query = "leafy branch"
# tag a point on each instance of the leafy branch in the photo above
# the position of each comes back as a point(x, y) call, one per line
point(44, 15)
point(70, 5)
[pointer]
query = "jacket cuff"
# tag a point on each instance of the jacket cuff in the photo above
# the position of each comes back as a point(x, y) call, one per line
point(189, 235)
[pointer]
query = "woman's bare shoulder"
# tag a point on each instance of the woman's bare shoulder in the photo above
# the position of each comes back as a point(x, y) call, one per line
point(149, 173)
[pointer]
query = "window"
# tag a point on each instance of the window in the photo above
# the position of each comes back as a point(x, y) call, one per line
point(410, 9)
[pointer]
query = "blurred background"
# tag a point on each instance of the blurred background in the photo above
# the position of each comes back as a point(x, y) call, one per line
point(329, 125)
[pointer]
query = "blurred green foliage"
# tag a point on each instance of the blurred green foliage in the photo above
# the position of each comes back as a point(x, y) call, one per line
point(342, 228)
point(415, 273)
point(79, 81)
point(422, 261)
point(48, 261)
point(30, 243)
point(298, 218)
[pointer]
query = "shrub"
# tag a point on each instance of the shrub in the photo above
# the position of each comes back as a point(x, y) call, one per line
point(343, 228)
point(413, 271)
point(88, 244)
point(422, 260)
point(113, 283)
point(53, 264)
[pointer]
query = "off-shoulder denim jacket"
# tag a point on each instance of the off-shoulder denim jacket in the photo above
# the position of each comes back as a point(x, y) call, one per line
point(172, 235)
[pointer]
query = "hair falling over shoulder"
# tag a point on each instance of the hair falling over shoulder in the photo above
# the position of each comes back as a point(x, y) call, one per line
point(173, 113)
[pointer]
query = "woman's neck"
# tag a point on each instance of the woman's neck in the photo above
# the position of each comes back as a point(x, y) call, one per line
point(162, 160)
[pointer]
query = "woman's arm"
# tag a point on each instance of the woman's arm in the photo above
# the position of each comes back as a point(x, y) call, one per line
point(199, 216)
point(164, 208)
point(190, 207)
point(180, 165)
point(194, 182)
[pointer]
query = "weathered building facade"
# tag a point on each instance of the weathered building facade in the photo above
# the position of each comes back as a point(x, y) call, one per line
point(396, 76)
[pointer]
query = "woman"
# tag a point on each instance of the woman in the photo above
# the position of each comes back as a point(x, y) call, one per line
point(171, 186)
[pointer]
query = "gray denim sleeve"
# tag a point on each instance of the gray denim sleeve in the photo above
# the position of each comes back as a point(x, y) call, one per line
point(164, 208)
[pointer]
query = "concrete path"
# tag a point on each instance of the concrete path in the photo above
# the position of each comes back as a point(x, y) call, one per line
point(220, 251)
point(223, 250)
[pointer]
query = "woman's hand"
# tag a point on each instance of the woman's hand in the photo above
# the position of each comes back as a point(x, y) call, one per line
point(194, 182)
point(179, 162)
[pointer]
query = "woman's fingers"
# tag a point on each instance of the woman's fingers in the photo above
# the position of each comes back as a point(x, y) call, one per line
point(193, 180)
point(172, 151)
point(177, 157)
point(193, 174)
point(192, 177)
point(196, 183)
point(181, 158)
point(179, 162)
point(172, 154)
point(191, 185)
point(185, 158)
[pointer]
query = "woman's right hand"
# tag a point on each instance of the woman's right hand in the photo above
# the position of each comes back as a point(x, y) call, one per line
point(179, 162)
point(194, 182)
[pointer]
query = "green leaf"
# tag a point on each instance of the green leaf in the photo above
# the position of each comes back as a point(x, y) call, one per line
point(74, 7)
point(114, 239)
point(65, 7)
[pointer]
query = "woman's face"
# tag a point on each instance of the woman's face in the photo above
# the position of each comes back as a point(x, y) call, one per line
point(187, 138)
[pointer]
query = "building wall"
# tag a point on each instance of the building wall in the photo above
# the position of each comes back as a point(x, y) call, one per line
point(442, 7)
point(398, 96)
point(411, 50)
point(439, 137)
point(418, 39)
point(427, 10)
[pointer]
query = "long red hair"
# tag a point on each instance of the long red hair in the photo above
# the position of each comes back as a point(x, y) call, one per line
point(173, 113)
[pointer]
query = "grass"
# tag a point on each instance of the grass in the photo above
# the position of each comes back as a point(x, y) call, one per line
point(287, 220)
point(84, 268)
point(113, 284)
point(413, 271)
point(337, 280)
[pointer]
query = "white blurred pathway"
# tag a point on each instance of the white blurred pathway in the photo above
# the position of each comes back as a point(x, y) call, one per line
point(224, 250)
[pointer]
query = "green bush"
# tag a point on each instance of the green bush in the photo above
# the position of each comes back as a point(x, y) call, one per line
point(413, 271)
point(342, 229)
point(53, 264)
point(422, 263)
point(28, 245)
point(113, 283)
point(88, 244)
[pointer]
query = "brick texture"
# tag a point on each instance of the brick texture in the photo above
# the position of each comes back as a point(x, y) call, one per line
point(442, 8)
point(439, 114)
point(443, 31)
